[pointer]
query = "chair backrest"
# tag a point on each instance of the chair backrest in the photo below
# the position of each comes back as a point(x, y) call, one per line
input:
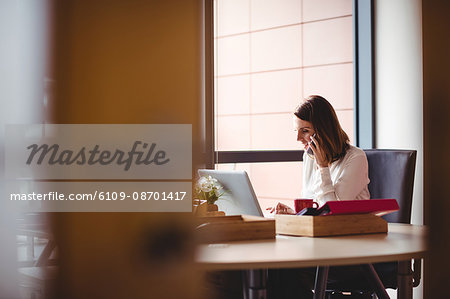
point(391, 174)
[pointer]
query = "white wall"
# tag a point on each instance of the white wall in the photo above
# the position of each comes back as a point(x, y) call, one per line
point(398, 81)
point(22, 61)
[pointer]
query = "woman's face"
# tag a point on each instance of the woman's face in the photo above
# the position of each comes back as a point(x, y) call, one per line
point(304, 130)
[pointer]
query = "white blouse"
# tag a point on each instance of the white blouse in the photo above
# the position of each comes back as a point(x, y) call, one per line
point(345, 179)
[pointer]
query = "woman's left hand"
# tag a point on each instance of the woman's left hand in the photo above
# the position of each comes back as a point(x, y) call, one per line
point(281, 208)
point(319, 154)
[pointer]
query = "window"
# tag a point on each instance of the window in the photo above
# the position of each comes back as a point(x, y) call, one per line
point(268, 55)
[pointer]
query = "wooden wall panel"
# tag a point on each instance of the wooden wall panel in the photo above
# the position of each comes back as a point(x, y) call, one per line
point(126, 62)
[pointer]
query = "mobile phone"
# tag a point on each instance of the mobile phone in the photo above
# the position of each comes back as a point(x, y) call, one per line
point(309, 151)
point(308, 212)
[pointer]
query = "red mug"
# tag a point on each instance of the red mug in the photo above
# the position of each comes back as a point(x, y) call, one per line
point(300, 204)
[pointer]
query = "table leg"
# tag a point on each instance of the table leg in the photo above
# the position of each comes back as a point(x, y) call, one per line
point(30, 248)
point(404, 280)
point(45, 255)
point(373, 278)
point(255, 284)
point(320, 286)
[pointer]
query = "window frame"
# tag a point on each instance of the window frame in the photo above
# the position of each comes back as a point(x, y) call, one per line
point(364, 94)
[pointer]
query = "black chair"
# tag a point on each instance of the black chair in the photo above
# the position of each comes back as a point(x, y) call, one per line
point(391, 174)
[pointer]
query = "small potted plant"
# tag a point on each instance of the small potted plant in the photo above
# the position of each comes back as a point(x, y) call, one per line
point(207, 190)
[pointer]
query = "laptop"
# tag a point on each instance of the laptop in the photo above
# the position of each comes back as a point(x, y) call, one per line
point(239, 197)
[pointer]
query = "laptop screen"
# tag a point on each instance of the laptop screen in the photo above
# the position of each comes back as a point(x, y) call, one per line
point(239, 197)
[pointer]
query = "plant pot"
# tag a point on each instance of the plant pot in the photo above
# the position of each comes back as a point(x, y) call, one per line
point(212, 207)
point(202, 208)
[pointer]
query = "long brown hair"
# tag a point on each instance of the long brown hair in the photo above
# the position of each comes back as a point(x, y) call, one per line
point(329, 133)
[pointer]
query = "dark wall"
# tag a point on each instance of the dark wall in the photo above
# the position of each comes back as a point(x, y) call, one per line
point(436, 98)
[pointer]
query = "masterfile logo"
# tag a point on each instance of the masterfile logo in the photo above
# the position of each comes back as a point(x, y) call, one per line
point(99, 151)
point(52, 155)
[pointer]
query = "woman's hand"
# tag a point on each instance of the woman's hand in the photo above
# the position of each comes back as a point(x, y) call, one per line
point(281, 208)
point(319, 154)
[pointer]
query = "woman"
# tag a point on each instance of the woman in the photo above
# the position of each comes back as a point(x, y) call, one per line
point(333, 169)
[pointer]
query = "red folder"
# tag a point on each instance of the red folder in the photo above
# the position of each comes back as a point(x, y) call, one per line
point(378, 207)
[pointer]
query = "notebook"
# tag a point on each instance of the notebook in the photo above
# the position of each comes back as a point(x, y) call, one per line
point(378, 207)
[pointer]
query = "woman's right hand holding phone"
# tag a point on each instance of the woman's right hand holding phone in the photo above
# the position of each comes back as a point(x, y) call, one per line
point(319, 154)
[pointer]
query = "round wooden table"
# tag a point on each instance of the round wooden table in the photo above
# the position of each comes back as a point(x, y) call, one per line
point(402, 243)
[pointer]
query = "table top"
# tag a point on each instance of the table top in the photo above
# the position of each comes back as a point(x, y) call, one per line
point(34, 232)
point(402, 242)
